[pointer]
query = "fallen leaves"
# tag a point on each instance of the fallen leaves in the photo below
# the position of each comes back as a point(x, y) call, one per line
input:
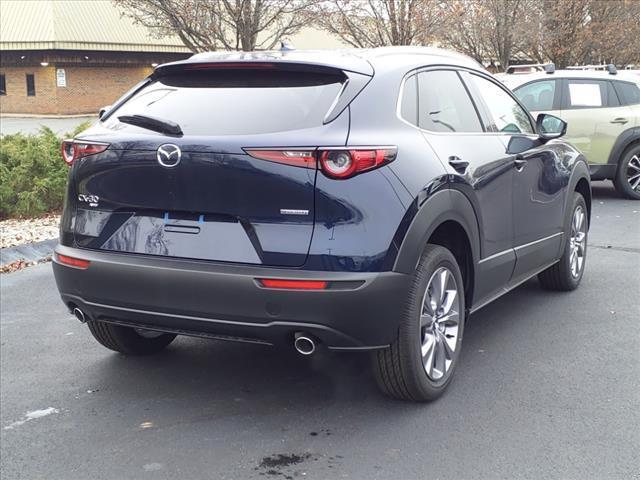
point(20, 264)
point(18, 231)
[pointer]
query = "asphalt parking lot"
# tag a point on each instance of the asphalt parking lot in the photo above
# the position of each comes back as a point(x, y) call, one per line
point(548, 387)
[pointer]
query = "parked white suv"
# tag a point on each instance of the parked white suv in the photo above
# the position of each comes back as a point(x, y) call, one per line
point(602, 109)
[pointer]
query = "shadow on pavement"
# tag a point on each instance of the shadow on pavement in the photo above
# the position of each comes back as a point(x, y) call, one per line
point(245, 378)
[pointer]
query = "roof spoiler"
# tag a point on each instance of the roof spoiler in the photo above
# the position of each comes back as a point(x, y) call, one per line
point(611, 68)
point(536, 67)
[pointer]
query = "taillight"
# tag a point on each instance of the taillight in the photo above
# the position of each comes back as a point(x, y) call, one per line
point(73, 150)
point(297, 158)
point(73, 262)
point(338, 163)
point(293, 284)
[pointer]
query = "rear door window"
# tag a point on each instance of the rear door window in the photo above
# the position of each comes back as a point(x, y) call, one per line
point(236, 102)
point(590, 94)
point(537, 96)
point(444, 104)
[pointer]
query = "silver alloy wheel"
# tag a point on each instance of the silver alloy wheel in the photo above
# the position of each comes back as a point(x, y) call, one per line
point(439, 323)
point(577, 242)
point(144, 333)
point(633, 173)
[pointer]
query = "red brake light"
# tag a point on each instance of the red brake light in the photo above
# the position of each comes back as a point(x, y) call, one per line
point(231, 65)
point(73, 262)
point(73, 150)
point(293, 284)
point(346, 163)
point(297, 158)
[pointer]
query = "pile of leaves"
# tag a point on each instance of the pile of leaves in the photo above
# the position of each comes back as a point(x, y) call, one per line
point(20, 264)
point(33, 176)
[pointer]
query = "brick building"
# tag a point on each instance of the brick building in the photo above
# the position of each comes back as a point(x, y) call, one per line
point(60, 57)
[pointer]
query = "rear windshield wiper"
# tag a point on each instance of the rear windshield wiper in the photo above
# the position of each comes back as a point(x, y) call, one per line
point(152, 123)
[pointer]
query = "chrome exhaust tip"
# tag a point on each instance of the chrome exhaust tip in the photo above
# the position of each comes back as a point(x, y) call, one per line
point(79, 314)
point(304, 344)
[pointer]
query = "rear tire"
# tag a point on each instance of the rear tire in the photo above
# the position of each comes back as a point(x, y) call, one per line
point(126, 340)
point(419, 365)
point(627, 181)
point(567, 273)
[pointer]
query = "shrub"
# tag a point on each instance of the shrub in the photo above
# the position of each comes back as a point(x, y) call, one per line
point(33, 176)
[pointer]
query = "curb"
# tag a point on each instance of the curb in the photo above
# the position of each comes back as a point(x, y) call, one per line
point(30, 252)
point(48, 117)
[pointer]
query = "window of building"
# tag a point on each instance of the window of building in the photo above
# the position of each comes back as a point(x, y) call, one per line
point(31, 85)
point(3, 85)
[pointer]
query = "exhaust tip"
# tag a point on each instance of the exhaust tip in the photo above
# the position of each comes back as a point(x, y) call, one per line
point(79, 314)
point(304, 345)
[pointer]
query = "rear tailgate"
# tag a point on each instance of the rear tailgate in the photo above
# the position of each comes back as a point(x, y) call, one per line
point(217, 202)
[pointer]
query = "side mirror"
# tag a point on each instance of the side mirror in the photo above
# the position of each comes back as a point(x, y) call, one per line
point(550, 127)
point(521, 143)
point(103, 110)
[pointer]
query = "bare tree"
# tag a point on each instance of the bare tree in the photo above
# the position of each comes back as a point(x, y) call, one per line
point(570, 32)
point(377, 23)
point(467, 32)
point(222, 24)
point(486, 29)
point(612, 34)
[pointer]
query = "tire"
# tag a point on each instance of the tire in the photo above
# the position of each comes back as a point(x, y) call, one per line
point(127, 340)
point(627, 181)
point(567, 273)
point(401, 371)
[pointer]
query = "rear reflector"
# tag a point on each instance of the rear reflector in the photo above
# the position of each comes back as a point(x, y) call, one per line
point(293, 284)
point(73, 262)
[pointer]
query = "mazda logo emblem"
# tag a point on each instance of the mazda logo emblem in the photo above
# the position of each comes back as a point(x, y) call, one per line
point(169, 155)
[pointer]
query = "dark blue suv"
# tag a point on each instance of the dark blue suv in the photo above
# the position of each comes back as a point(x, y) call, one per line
point(367, 200)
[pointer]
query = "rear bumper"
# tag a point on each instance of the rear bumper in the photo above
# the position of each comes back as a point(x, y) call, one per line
point(225, 301)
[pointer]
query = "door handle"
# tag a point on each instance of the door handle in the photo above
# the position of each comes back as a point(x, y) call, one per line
point(519, 162)
point(458, 164)
point(620, 120)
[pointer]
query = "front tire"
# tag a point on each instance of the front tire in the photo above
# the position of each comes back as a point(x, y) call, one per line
point(627, 181)
point(127, 340)
point(567, 273)
point(419, 365)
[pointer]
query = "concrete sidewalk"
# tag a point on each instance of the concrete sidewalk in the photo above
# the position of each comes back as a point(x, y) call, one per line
point(30, 125)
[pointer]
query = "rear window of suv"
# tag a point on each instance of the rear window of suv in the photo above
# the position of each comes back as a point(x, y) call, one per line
point(629, 93)
point(235, 102)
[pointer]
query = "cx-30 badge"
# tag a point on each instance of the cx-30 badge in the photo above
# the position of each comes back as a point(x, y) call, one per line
point(169, 155)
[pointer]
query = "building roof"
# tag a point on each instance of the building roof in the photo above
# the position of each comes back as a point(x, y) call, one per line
point(75, 25)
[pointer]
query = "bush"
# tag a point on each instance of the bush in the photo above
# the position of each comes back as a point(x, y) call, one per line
point(33, 176)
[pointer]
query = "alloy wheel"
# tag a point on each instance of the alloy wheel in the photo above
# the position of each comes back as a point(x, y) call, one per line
point(577, 241)
point(633, 173)
point(440, 323)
